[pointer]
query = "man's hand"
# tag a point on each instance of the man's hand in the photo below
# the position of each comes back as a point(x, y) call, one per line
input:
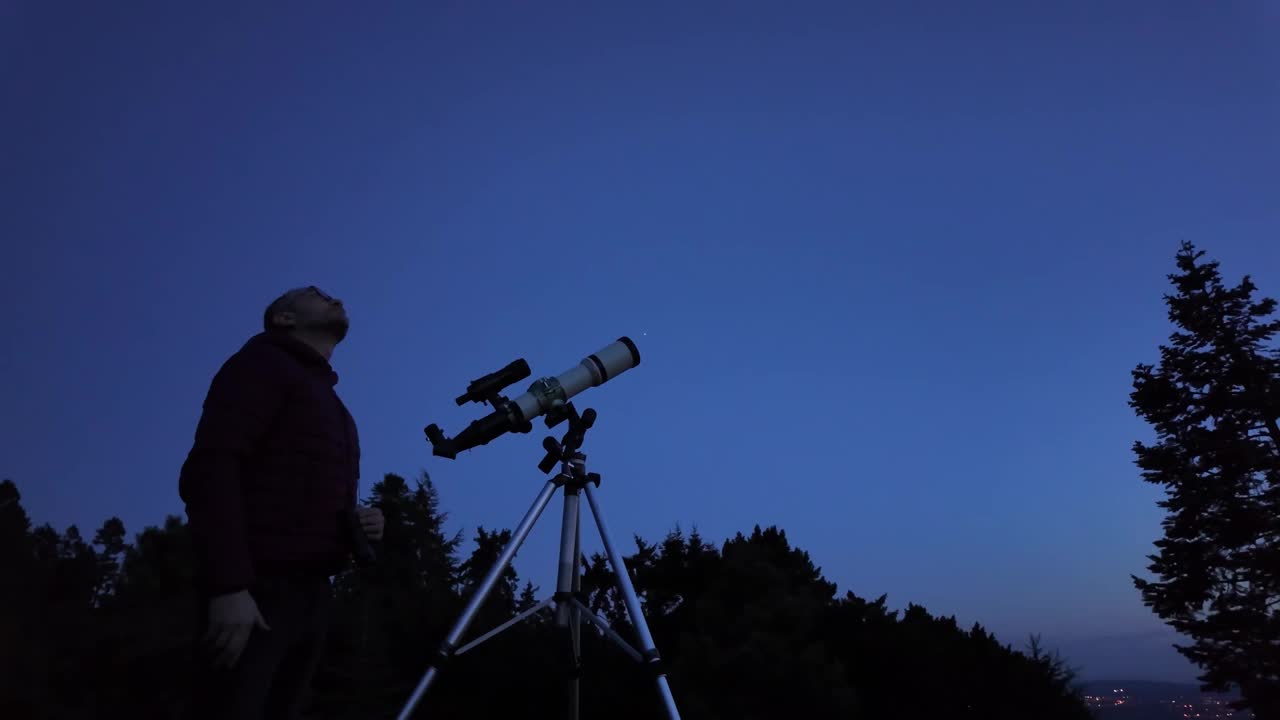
point(232, 618)
point(371, 521)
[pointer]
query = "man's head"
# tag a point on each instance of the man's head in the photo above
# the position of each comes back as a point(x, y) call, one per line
point(309, 313)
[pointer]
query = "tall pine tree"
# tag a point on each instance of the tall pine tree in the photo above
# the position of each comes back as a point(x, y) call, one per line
point(1213, 402)
point(501, 603)
point(388, 618)
point(110, 539)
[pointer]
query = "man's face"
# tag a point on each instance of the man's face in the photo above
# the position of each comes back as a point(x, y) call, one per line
point(316, 311)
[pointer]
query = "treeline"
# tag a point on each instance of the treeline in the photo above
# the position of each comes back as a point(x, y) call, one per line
point(99, 627)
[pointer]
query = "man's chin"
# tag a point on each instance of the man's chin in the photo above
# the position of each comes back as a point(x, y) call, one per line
point(335, 330)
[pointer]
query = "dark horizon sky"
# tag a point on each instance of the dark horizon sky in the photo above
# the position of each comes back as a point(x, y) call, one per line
point(888, 265)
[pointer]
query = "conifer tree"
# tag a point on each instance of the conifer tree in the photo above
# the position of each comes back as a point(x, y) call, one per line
point(1213, 401)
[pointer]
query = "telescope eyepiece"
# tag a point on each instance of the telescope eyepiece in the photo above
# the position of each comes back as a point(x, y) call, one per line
point(441, 445)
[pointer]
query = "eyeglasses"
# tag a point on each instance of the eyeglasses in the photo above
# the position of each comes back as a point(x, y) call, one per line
point(323, 295)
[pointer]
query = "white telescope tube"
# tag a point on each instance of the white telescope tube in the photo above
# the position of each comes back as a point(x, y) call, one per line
point(609, 362)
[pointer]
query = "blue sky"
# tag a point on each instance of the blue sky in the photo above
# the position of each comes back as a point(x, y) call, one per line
point(888, 264)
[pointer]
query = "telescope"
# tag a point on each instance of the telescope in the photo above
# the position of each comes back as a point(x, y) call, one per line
point(547, 396)
point(550, 396)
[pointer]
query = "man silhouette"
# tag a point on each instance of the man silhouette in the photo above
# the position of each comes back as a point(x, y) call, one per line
point(270, 492)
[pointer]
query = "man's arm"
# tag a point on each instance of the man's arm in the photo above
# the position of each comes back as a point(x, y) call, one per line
point(243, 398)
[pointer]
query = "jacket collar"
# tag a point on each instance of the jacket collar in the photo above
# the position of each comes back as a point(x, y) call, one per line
point(301, 351)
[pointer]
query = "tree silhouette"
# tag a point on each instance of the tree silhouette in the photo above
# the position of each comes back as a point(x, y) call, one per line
point(501, 603)
point(144, 632)
point(110, 541)
point(20, 585)
point(389, 616)
point(748, 630)
point(756, 621)
point(1213, 402)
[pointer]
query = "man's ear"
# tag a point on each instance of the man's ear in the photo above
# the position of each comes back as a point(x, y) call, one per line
point(285, 319)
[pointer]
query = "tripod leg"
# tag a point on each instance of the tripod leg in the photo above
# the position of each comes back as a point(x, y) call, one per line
point(478, 597)
point(568, 567)
point(566, 583)
point(575, 623)
point(648, 648)
point(575, 657)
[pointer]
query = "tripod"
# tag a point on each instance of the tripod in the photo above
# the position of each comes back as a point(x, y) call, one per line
point(569, 610)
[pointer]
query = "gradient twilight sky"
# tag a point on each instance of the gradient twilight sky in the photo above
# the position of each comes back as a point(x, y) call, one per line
point(888, 264)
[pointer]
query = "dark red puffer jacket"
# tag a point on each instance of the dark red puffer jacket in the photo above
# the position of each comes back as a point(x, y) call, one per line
point(274, 465)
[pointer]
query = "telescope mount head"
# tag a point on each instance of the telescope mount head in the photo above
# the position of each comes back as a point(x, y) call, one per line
point(567, 447)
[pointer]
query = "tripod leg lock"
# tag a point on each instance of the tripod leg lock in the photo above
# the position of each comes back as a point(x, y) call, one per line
point(653, 663)
point(444, 656)
point(562, 597)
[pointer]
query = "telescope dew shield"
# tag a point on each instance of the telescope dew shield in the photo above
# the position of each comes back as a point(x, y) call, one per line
point(548, 393)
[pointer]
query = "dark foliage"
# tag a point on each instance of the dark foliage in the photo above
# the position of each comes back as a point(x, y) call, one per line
point(749, 630)
point(1213, 402)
